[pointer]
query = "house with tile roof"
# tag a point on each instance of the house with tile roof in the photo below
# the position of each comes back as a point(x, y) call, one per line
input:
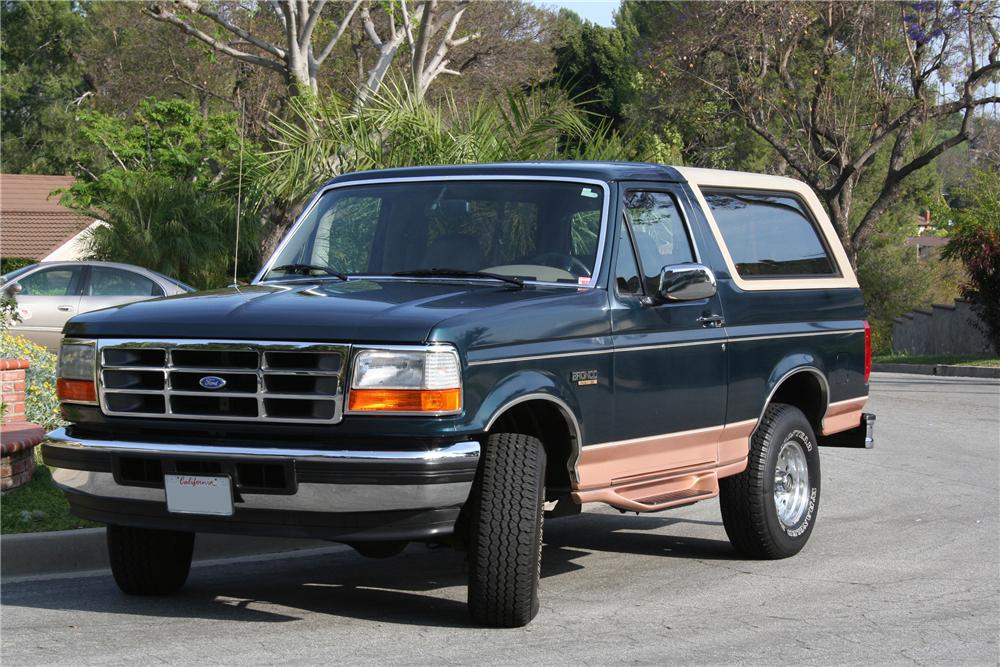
point(32, 223)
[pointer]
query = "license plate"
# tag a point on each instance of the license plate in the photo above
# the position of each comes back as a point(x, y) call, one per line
point(199, 494)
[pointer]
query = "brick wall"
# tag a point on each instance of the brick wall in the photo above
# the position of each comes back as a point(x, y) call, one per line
point(18, 437)
point(12, 388)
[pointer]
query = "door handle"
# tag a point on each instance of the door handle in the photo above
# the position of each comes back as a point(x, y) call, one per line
point(64, 309)
point(712, 321)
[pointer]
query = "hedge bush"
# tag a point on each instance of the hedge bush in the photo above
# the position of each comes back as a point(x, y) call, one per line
point(8, 264)
point(41, 405)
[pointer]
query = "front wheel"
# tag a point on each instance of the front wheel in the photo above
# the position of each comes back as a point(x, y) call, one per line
point(769, 509)
point(505, 531)
point(145, 561)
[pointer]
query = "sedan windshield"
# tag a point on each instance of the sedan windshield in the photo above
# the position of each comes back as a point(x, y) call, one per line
point(545, 231)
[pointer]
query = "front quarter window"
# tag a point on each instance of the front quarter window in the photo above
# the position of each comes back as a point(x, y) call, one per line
point(536, 230)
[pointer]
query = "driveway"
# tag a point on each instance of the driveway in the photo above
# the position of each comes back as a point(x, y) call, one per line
point(903, 567)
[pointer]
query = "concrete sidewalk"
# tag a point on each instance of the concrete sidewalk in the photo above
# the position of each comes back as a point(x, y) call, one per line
point(29, 555)
point(944, 370)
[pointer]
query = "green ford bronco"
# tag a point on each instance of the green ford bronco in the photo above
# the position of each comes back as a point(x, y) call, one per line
point(450, 354)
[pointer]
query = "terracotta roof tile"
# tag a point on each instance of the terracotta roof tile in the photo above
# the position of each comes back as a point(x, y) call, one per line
point(28, 192)
point(33, 224)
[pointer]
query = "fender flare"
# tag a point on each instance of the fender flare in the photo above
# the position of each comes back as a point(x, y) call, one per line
point(523, 386)
point(788, 368)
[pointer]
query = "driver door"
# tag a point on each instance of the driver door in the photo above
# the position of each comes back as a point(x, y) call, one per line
point(49, 296)
point(670, 358)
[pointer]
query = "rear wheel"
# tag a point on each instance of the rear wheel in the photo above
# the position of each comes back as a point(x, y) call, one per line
point(505, 531)
point(145, 561)
point(769, 509)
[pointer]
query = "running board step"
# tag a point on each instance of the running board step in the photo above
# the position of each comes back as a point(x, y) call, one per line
point(655, 495)
point(673, 497)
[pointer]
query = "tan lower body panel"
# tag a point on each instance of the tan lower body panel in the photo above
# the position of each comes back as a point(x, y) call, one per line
point(659, 472)
point(843, 415)
point(663, 471)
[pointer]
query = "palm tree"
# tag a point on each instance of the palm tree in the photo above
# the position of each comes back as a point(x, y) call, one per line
point(172, 227)
point(397, 129)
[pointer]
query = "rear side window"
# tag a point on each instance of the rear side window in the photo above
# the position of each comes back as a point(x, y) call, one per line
point(769, 235)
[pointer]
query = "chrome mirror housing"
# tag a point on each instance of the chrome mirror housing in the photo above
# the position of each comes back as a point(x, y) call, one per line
point(686, 282)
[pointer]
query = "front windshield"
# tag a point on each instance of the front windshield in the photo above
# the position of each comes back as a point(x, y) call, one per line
point(547, 231)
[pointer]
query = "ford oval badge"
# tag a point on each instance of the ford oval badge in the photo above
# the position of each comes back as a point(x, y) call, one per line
point(212, 382)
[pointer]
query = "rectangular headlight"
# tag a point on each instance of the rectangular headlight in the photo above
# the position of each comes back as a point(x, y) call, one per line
point(406, 380)
point(77, 361)
point(76, 372)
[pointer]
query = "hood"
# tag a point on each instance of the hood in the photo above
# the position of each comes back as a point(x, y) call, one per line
point(371, 311)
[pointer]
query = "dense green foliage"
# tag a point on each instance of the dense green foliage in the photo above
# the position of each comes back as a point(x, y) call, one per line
point(172, 227)
point(976, 242)
point(43, 84)
point(8, 264)
point(41, 405)
point(596, 63)
point(169, 137)
point(160, 182)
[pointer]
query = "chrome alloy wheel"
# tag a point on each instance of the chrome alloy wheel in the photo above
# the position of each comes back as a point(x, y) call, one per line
point(791, 483)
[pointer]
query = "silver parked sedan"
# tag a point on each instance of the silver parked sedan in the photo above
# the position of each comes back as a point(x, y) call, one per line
point(50, 293)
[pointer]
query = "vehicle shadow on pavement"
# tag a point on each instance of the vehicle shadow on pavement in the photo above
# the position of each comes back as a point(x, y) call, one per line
point(420, 587)
point(631, 534)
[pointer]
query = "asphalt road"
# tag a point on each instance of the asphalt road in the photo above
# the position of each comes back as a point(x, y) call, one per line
point(903, 567)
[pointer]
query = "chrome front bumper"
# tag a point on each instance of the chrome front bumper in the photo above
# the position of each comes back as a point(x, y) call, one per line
point(383, 480)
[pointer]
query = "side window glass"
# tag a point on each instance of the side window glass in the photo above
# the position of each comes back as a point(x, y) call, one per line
point(626, 270)
point(105, 281)
point(660, 235)
point(769, 235)
point(57, 281)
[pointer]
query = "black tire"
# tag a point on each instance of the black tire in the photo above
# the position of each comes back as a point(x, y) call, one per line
point(149, 562)
point(505, 531)
point(749, 511)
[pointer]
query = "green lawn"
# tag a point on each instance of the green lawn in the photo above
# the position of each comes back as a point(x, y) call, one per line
point(37, 507)
point(949, 360)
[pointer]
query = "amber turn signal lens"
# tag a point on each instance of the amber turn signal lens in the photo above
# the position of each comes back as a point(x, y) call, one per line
point(405, 400)
point(76, 390)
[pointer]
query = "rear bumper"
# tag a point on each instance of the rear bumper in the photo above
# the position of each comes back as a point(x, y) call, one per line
point(331, 494)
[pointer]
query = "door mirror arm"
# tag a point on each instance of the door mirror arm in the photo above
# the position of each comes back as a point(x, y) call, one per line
point(13, 289)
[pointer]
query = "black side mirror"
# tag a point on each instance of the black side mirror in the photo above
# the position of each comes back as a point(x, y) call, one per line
point(686, 282)
point(13, 289)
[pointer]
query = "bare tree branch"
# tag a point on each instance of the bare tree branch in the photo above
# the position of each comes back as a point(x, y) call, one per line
point(340, 32)
point(204, 10)
point(160, 14)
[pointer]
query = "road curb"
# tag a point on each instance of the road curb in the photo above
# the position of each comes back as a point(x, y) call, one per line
point(944, 370)
point(69, 551)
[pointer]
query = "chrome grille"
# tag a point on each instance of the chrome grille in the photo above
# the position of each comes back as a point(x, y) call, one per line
point(264, 381)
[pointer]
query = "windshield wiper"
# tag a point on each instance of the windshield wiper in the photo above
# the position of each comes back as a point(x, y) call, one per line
point(460, 273)
point(304, 269)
